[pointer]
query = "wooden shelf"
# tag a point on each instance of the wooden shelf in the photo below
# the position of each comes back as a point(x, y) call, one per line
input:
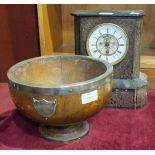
point(56, 25)
point(67, 48)
point(147, 62)
point(56, 29)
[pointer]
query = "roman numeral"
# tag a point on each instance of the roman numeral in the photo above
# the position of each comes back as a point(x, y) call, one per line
point(100, 33)
point(93, 44)
point(119, 52)
point(114, 32)
point(107, 30)
point(100, 56)
point(119, 37)
point(95, 51)
point(121, 44)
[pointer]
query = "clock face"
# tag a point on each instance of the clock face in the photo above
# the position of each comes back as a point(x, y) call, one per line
point(108, 42)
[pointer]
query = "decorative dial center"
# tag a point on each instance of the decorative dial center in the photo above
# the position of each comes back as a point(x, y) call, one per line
point(107, 44)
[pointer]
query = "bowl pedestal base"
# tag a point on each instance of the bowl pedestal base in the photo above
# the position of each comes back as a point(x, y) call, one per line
point(65, 134)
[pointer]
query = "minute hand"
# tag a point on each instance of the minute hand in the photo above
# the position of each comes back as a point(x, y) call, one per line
point(108, 38)
point(107, 43)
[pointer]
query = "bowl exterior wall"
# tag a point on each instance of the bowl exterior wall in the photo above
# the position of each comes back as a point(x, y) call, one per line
point(69, 108)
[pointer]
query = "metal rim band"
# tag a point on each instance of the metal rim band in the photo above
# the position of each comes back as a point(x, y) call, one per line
point(78, 87)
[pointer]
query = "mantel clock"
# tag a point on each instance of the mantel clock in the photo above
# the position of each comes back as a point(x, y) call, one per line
point(115, 36)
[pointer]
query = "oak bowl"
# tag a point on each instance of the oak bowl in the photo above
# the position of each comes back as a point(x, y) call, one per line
point(61, 92)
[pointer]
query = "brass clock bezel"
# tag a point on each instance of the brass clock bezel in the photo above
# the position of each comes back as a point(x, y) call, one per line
point(120, 28)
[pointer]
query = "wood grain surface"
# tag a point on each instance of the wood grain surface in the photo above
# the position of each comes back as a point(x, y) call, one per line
point(69, 108)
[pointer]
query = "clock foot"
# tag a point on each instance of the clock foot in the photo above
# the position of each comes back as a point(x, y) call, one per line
point(129, 93)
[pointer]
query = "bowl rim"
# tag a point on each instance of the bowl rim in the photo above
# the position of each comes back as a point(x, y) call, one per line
point(62, 89)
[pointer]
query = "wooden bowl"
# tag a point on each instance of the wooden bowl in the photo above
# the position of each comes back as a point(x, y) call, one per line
point(60, 90)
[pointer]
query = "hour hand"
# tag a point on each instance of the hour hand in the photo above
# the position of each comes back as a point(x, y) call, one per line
point(106, 49)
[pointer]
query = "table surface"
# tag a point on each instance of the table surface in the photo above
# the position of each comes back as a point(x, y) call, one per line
point(109, 129)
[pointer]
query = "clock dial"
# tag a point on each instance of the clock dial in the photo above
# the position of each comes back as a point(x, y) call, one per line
point(107, 42)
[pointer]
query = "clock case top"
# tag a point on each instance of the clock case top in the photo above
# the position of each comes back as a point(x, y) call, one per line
point(116, 13)
point(131, 22)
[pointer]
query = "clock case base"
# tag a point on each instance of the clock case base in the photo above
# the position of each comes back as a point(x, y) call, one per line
point(129, 93)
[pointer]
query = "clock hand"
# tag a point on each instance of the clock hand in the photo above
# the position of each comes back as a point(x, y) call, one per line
point(107, 44)
point(107, 49)
point(108, 38)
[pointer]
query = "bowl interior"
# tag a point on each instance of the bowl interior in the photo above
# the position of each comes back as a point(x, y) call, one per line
point(57, 71)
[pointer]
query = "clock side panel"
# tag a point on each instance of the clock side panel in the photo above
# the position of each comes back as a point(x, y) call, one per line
point(126, 68)
point(137, 47)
